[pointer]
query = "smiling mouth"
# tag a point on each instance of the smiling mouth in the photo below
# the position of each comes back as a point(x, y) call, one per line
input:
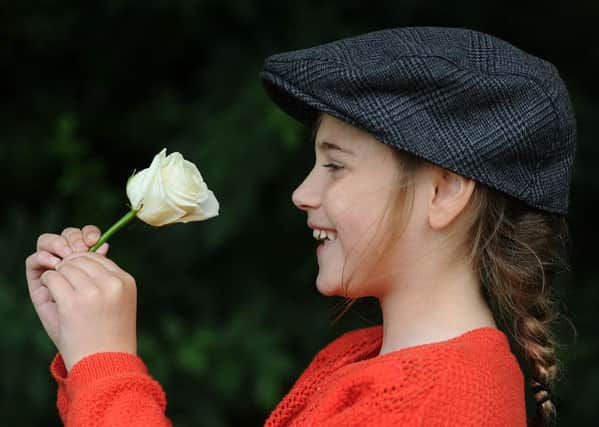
point(323, 244)
point(322, 241)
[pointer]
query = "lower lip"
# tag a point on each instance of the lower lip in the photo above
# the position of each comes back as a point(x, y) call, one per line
point(324, 246)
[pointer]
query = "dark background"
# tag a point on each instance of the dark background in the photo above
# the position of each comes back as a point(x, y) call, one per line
point(228, 311)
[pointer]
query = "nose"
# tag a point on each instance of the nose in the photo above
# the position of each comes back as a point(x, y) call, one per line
point(306, 195)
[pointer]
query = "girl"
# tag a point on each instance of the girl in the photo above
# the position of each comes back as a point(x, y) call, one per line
point(441, 184)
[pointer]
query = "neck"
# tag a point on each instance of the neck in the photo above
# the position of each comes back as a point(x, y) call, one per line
point(433, 309)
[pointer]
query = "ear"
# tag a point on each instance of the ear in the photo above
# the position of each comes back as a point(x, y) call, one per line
point(451, 193)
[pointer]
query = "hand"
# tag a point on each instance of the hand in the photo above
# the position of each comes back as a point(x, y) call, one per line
point(51, 248)
point(54, 314)
point(95, 304)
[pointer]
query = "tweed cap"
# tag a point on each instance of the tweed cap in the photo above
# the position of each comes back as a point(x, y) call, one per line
point(467, 101)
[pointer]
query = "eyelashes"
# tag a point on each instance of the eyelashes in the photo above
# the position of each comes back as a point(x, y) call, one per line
point(332, 167)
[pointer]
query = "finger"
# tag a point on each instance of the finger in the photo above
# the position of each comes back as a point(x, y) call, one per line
point(107, 263)
point(41, 296)
point(78, 278)
point(55, 244)
point(60, 289)
point(91, 234)
point(91, 266)
point(37, 263)
point(103, 250)
point(74, 238)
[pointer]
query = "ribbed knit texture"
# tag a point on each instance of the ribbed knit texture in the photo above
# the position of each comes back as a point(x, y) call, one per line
point(470, 380)
point(109, 389)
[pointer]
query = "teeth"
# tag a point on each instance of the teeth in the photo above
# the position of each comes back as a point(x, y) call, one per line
point(324, 234)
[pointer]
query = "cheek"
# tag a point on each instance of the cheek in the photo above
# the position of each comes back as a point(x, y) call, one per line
point(354, 209)
point(354, 227)
point(357, 218)
point(342, 210)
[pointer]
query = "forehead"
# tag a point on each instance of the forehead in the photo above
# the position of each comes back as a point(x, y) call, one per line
point(335, 135)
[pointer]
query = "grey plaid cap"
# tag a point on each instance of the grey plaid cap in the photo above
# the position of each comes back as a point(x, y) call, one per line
point(464, 100)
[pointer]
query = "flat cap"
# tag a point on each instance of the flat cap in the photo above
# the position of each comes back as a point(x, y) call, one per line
point(462, 99)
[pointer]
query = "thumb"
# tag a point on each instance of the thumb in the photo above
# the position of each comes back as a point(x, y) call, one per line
point(91, 234)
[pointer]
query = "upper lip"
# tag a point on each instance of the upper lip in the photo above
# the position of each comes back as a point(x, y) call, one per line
point(313, 226)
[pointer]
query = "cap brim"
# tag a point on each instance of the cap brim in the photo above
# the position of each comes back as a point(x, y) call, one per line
point(295, 102)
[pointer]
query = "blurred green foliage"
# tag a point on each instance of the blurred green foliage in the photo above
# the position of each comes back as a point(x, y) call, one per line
point(228, 312)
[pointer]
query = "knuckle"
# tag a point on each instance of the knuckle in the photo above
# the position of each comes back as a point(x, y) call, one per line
point(46, 258)
point(74, 237)
point(63, 264)
point(114, 283)
point(67, 266)
point(31, 260)
point(43, 239)
point(114, 287)
point(91, 293)
point(129, 279)
point(58, 243)
point(90, 229)
point(70, 233)
point(69, 230)
point(79, 259)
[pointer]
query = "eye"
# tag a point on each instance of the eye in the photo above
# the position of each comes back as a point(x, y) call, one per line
point(332, 166)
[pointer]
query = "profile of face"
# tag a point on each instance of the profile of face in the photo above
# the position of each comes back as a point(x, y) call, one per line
point(346, 192)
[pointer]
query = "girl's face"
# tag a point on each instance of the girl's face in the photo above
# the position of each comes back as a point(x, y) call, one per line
point(346, 192)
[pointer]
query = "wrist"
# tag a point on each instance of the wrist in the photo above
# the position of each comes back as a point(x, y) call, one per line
point(72, 360)
point(97, 366)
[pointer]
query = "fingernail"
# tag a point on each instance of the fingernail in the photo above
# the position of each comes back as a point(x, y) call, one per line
point(54, 260)
point(92, 236)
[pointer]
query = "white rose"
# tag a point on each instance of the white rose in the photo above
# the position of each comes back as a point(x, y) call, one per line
point(171, 190)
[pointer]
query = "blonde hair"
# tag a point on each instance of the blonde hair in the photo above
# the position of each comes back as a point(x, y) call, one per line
point(516, 251)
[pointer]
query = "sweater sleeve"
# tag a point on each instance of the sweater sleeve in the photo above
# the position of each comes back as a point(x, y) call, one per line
point(109, 389)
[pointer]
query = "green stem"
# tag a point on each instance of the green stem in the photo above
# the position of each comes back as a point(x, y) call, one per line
point(115, 227)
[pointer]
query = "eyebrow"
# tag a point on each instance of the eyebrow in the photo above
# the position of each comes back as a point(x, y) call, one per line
point(329, 146)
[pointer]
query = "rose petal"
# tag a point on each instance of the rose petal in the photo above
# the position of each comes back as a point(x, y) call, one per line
point(206, 210)
point(167, 213)
point(135, 186)
point(171, 190)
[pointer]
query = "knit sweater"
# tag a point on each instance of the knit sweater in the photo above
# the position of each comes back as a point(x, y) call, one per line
point(469, 380)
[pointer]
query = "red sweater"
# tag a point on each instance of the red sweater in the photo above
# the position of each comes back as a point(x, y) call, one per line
point(469, 380)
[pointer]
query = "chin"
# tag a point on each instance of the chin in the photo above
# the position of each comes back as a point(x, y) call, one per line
point(329, 289)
